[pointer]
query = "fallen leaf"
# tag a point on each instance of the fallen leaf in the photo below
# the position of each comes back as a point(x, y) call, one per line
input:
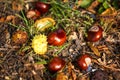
point(38, 66)
point(73, 75)
point(94, 49)
point(69, 67)
point(109, 11)
point(110, 67)
point(108, 15)
point(1, 54)
point(92, 7)
point(2, 19)
point(61, 76)
point(10, 18)
point(16, 6)
point(104, 48)
point(84, 77)
point(36, 76)
point(7, 78)
point(72, 36)
point(71, 72)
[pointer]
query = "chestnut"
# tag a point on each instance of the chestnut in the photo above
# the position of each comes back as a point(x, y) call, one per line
point(94, 34)
point(42, 7)
point(57, 38)
point(84, 61)
point(56, 64)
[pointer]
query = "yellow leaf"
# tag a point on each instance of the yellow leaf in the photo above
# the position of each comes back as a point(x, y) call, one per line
point(61, 76)
point(94, 49)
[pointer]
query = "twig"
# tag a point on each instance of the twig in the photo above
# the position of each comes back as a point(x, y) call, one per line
point(3, 49)
point(106, 66)
point(27, 1)
point(8, 53)
point(8, 47)
point(93, 6)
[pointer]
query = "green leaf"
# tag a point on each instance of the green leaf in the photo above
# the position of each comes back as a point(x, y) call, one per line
point(101, 9)
point(85, 3)
point(41, 62)
point(106, 5)
point(100, 1)
point(26, 48)
point(115, 4)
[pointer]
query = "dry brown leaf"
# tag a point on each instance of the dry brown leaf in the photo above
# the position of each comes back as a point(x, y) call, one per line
point(69, 67)
point(93, 6)
point(94, 49)
point(110, 67)
point(109, 15)
point(84, 77)
point(104, 48)
point(71, 72)
point(61, 76)
point(10, 18)
point(72, 36)
point(109, 11)
point(1, 54)
point(73, 75)
point(16, 6)
point(2, 19)
point(103, 62)
point(36, 76)
point(38, 66)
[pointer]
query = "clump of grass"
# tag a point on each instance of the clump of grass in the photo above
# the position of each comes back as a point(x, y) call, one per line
point(68, 18)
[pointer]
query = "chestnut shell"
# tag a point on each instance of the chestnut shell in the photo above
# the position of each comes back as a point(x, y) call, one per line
point(19, 37)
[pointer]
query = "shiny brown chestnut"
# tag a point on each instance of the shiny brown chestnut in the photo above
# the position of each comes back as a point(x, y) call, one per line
point(94, 33)
point(42, 7)
point(57, 38)
point(84, 61)
point(56, 64)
